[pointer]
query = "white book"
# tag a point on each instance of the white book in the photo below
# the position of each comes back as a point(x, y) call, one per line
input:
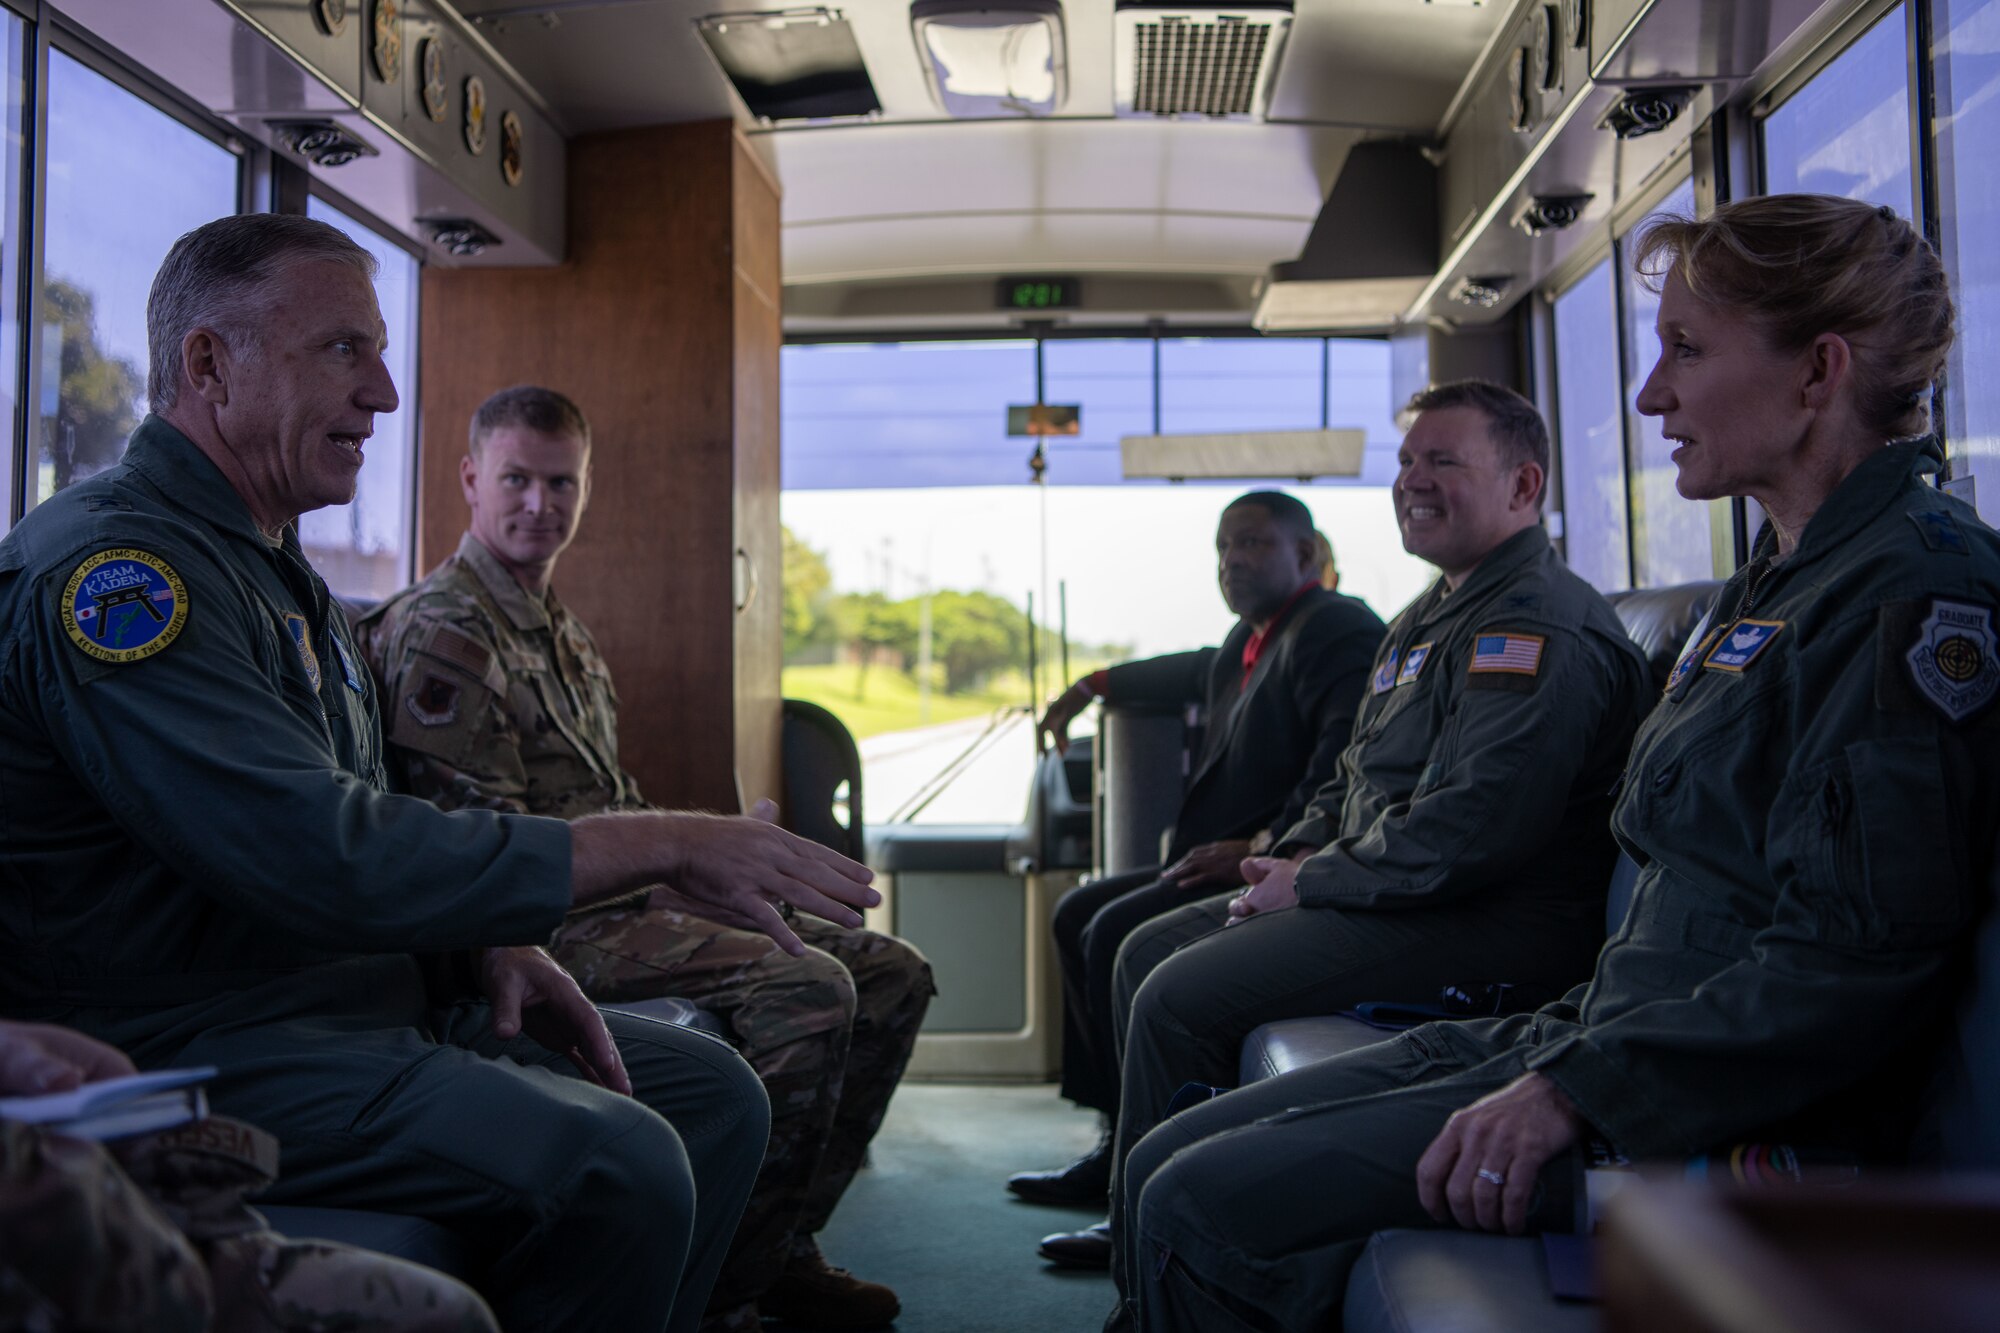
point(117, 1108)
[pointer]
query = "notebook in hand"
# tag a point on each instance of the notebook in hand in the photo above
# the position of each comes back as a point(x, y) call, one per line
point(117, 1108)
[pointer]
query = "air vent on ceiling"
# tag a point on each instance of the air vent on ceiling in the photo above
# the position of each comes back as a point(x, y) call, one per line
point(1175, 60)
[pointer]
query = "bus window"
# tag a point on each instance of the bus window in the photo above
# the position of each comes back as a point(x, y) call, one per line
point(1590, 432)
point(1847, 132)
point(1671, 538)
point(124, 180)
point(13, 164)
point(907, 506)
point(362, 548)
point(1968, 97)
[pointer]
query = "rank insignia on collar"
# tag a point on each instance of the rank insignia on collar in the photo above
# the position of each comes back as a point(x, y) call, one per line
point(1940, 531)
point(1385, 675)
point(1413, 663)
point(295, 625)
point(124, 605)
point(1954, 662)
point(1741, 644)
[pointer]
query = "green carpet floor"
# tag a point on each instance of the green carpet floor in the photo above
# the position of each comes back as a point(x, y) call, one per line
point(931, 1215)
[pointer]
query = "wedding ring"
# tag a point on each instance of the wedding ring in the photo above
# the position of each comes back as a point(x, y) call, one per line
point(1490, 1177)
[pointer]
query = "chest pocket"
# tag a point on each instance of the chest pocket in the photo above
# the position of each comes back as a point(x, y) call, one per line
point(549, 717)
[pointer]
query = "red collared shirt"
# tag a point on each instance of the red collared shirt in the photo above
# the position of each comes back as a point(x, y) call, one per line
point(1254, 649)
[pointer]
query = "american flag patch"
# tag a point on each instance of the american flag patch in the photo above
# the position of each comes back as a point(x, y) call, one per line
point(1513, 654)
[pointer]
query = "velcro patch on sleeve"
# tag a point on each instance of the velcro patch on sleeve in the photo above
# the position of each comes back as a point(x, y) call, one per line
point(462, 651)
point(1507, 653)
point(123, 605)
point(1952, 656)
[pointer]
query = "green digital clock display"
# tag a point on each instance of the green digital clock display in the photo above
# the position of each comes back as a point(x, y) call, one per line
point(1038, 293)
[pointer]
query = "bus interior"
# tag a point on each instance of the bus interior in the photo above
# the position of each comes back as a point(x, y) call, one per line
point(921, 344)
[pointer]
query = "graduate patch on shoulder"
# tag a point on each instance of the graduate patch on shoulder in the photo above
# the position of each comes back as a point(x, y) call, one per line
point(296, 626)
point(1507, 654)
point(1385, 675)
point(124, 605)
point(1413, 663)
point(1954, 663)
point(1741, 644)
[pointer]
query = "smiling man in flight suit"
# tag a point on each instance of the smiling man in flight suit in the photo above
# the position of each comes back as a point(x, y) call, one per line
point(500, 700)
point(1464, 838)
point(204, 864)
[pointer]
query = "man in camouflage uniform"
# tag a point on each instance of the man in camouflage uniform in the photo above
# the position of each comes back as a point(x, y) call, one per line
point(153, 1234)
point(498, 698)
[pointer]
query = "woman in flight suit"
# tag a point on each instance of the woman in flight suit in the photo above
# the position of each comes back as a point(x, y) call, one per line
point(1805, 803)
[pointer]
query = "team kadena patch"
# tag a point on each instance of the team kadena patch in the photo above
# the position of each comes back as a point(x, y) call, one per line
point(124, 605)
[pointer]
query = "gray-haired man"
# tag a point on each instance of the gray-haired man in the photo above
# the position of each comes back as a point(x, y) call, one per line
point(208, 868)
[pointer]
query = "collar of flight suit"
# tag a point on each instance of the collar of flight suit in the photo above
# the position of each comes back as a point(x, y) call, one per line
point(1862, 495)
point(523, 609)
point(1499, 566)
point(190, 479)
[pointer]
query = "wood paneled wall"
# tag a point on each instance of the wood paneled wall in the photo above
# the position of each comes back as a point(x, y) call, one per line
point(663, 325)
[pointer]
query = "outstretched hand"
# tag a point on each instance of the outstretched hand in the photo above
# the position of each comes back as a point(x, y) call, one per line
point(530, 992)
point(37, 1058)
point(1480, 1170)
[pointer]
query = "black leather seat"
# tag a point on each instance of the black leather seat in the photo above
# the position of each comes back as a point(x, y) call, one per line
point(820, 759)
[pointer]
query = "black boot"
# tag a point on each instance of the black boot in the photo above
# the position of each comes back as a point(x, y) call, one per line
point(1086, 1182)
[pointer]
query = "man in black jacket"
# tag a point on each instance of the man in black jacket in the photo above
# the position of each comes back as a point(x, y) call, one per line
point(1280, 696)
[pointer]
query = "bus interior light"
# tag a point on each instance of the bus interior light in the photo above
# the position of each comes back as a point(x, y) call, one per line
point(1485, 291)
point(791, 64)
point(993, 59)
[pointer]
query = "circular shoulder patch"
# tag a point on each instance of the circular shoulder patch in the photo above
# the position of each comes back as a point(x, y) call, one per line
point(124, 605)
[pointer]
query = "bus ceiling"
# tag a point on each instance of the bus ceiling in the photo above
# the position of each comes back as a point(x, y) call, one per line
point(1372, 165)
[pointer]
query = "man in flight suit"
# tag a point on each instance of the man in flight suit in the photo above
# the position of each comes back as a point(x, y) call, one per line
point(1280, 695)
point(1464, 839)
point(499, 699)
point(206, 866)
point(152, 1234)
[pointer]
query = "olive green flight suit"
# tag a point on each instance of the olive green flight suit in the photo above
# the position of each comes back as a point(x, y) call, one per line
point(1811, 805)
point(1463, 839)
point(501, 700)
point(203, 866)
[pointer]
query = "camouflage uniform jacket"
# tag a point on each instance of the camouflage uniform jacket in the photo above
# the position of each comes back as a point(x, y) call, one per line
point(494, 697)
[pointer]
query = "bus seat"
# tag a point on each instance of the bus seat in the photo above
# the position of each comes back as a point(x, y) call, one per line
point(1456, 1282)
point(1659, 620)
point(819, 759)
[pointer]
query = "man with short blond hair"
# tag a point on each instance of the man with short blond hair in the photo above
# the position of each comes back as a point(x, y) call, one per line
point(501, 700)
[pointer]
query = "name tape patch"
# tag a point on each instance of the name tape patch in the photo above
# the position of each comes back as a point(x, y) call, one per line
point(1413, 664)
point(303, 641)
point(1507, 654)
point(124, 605)
point(1954, 662)
point(1741, 644)
point(1385, 675)
point(347, 671)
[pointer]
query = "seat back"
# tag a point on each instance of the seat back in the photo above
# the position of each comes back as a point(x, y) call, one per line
point(820, 759)
point(1618, 896)
point(1659, 620)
